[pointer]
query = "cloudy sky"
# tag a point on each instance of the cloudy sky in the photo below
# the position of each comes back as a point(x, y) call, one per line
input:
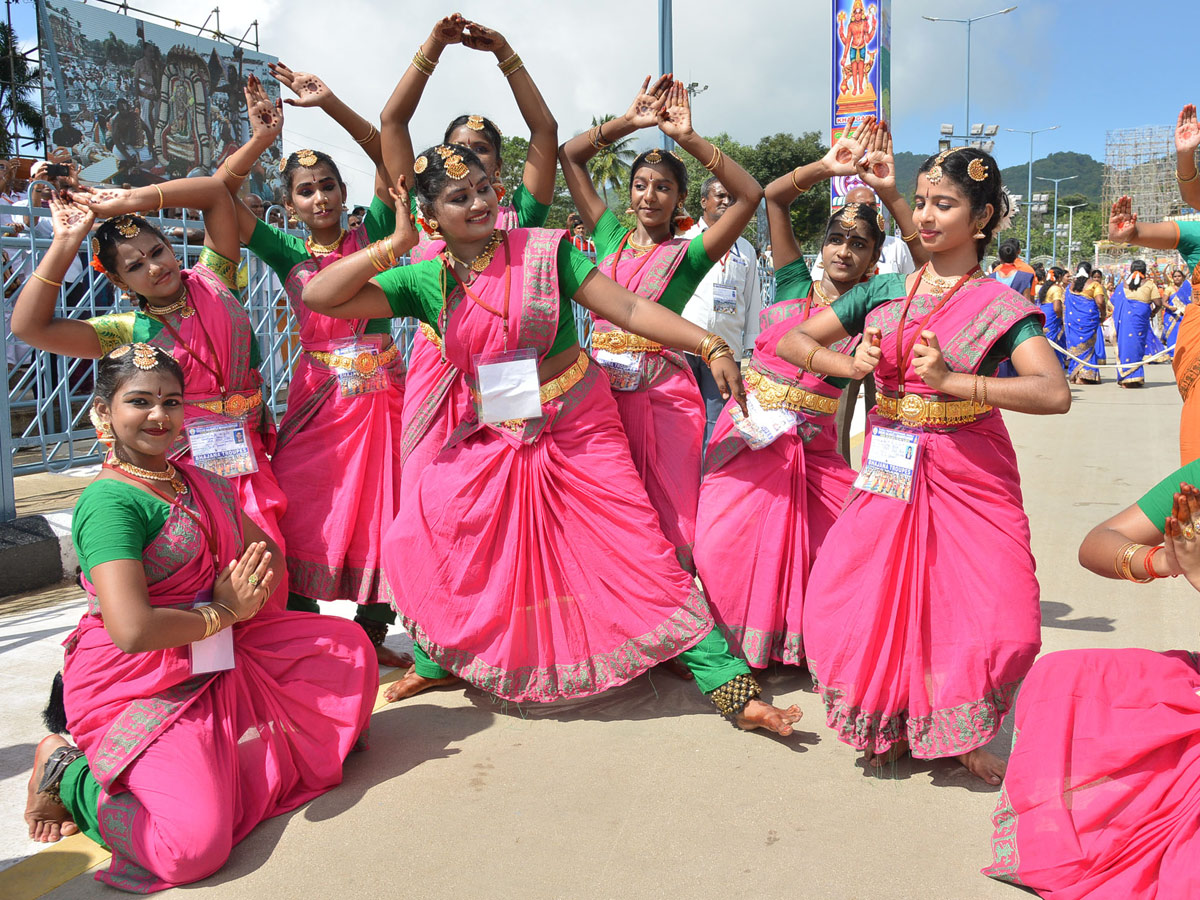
point(767, 71)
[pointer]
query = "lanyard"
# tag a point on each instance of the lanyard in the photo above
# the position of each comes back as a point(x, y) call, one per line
point(214, 372)
point(501, 314)
point(209, 537)
point(617, 259)
point(902, 355)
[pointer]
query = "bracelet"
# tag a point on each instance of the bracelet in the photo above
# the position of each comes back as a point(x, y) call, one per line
point(391, 251)
point(510, 65)
point(983, 399)
point(236, 617)
point(373, 256)
point(712, 164)
point(908, 239)
point(371, 132)
point(596, 137)
point(43, 278)
point(1181, 180)
point(212, 621)
point(1149, 564)
point(423, 63)
point(975, 391)
point(1117, 558)
point(809, 359)
point(795, 183)
point(161, 201)
point(232, 174)
point(1126, 570)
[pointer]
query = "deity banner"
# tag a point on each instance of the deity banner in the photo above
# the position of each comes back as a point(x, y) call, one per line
point(138, 103)
point(861, 72)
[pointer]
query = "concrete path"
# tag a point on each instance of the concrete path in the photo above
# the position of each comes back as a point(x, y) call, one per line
point(645, 792)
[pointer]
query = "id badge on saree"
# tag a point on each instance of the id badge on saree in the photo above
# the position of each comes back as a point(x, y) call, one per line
point(763, 426)
point(624, 369)
point(508, 385)
point(364, 375)
point(725, 299)
point(214, 654)
point(890, 464)
point(223, 448)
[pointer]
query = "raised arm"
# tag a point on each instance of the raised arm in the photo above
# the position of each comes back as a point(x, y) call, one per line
point(1187, 139)
point(541, 165)
point(1124, 227)
point(266, 124)
point(878, 171)
point(575, 153)
point(675, 120)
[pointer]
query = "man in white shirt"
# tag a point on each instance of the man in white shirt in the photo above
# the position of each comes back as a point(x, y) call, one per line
point(894, 258)
point(727, 302)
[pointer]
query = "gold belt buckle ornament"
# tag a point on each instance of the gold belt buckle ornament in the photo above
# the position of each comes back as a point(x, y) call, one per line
point(912, 409)
point(365, 364)
point(236, 405)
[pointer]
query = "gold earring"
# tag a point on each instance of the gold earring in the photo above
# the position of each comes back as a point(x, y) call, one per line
point(104, 433)
point(979, 235)
point(433, 228)
point(629, 210)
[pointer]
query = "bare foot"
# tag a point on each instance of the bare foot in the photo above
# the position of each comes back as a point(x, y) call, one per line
point(47, 818)
point(757, 714)
point(878, 760)
point(984, 764)
point(676, 667)
point(391, 658)
point(412, 683)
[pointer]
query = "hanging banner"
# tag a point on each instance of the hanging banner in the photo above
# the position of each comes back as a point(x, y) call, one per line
point(861, 77)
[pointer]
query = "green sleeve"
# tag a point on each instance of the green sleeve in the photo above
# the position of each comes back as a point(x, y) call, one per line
point(413, 290)
point(686, 278)
point(113, 330)
point(607, 234)
point(222, 266)
point(573, 267)
point(793, 281)
point(530, 213)
point(278, 249)
point(113, 520)
point(1157, 502)
point(1189, 242)
point(853, 306)
point(380, 220)
point(1023, 330)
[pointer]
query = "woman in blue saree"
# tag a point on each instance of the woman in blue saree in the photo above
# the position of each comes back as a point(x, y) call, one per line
point(1179, 296)
point(1134, 303)
point(1050, 299)
point(1083, 311)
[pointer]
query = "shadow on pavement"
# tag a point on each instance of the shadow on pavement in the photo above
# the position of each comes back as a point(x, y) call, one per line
point(1053, 614)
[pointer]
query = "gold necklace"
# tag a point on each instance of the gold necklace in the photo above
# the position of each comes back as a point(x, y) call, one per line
point(170, 473)
point(484, 259)
point(821, 295)
point(638, 248)
point(317, 249)
point(180, 306)
point(941, 285)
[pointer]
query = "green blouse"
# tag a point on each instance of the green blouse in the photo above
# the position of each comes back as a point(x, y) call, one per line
point(416, 291)
point(283, 252)
point(1189, 242)
point(684, 281)
point(793, 281)
point(115, 520)
point(1157, 502)
point(853, 306)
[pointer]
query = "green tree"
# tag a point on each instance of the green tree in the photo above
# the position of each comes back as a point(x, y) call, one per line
point(19, 83)
point(610, 164)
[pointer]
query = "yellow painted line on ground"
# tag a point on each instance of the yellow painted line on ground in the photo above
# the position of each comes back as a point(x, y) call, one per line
point(56, 864)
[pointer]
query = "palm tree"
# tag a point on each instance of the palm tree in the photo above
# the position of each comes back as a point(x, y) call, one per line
point(18, 82)
point(609, 165)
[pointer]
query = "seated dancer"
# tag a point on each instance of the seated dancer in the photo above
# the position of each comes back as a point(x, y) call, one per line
point(196, 711)
point(774, 482)
point(921, 614)
point(511, 559)
point(191, 313)
point(657, 395)
point(1101, 795)
point(338, 458)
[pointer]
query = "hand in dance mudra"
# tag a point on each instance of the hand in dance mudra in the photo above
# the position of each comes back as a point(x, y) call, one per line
point(1181, 542)
point(265, 116)
point(404, 238)
point(643, 111)
point(480, 37)
point(72, 219)
point(308, 88)
point(105, 203)
point(1122, 223)
point(246, 583)
point(928, 361)
point(877, 168)
point(867, 354)
point(675, 112)
point(1187, 131)
point(449, 30)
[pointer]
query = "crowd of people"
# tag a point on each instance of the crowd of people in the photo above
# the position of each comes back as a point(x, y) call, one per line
point(548, 520)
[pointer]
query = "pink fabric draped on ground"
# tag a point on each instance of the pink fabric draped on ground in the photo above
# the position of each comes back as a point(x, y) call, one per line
point(339, 457)
point(922, 618)
point(1102, 795)
point(511, 558)
point(763, 514)
point(664, 417)
point(189, 764)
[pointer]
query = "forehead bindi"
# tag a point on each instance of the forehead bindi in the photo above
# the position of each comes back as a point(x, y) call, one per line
point(653, 175)
point(320, 174)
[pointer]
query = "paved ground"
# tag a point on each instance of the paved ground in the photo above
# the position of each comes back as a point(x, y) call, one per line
point(645, 792)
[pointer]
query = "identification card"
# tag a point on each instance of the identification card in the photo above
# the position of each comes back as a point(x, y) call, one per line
point(214, 654)
point(223, 448)
point(890, 463)
point(508, 386)
point(624, 369)
point(364, 376)
point(763, 426)
point(725, 299)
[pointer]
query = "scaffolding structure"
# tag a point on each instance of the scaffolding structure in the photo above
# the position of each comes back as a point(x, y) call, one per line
point(1140, 162)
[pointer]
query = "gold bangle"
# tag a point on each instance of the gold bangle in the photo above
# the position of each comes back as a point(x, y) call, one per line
point(212, 621)
point(909, 238)
point(1127, 565)
point(808, 360)
point(601, 143)
point(391, 251)
point(795, 183)
point(1195, 175)
point(371, 132)
point(510, 65)
point(706, 345)
point(161, 201)
point(983, 399)
point(373, 256)
point(975, 391)
point(43, 278)
point(716, 159)
point(423, 63)
point(1117, 559)
point(232, 174)
point(236, 617)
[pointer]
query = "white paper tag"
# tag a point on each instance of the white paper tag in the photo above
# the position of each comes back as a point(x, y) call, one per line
point(508, 386)
point(890, 463)
point(763, 426)
point(223, 448)
point(725, 299)
point(624, 369)
point(214, 654)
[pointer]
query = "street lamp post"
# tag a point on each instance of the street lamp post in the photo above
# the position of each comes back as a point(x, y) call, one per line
point(1054, 251)
point(968, 22)
point(1029, 190)
point(1071, 228)
point(666, 56)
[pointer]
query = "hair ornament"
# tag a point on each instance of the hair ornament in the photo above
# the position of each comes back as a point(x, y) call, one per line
point(118, 352)
point(849, 214)
point(456, 168)
point(881, 221)
point(475, 123)
point(96, 264)
point(443, 151)
point(144, 357)
point(1010, 211)
point(126, 227)
point(654, 156)
point(282, 165)
point(419, 164)
point(977, 170)
point(306, 158)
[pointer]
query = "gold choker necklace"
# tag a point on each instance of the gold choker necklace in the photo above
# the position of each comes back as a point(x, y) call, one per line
point(317, 249)
point(941, 285)
point(638, 248)
point(484, 259)
point(821, 295)
point(170, 473)
point(180, 306)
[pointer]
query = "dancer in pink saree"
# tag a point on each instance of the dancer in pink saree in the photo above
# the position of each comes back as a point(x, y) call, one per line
point(1102, 795)
point(183, 747)
point(193, 314)
point(657, 395)
point(921, 616)
point(512, 559)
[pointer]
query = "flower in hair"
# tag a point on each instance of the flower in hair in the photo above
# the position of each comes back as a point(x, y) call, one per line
point(1006, 219)
point(98, 266)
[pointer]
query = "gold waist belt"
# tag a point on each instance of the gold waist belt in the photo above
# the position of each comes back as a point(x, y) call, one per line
point(917, 410)
point(365, 363)
point(433, 336)
point(773, 394)
point(233, 405)
point(623, 342)
point(561, 383)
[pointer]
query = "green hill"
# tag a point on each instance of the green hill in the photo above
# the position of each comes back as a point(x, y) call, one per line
point(1057, 165)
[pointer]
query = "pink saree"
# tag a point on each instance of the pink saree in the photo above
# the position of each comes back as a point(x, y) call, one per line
point(764, 513)
point(339, 456)
point(189, 764)
point(1102, 795)
point(511, 561)
point(664, 415)
point(921, 618)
